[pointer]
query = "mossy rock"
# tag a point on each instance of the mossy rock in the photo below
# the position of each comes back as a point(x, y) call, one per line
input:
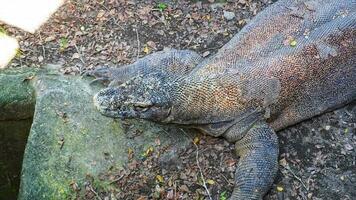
point(17, 99)
point(69, 139)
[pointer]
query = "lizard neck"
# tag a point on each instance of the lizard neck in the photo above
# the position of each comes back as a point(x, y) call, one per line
point(213, 98)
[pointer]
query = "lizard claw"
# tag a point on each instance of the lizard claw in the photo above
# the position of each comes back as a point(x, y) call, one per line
point(101, 74)
point(101, 80)
point(98, 72)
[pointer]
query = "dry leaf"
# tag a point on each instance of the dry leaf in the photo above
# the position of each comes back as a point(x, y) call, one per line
point(160, 178)
point(196, 140)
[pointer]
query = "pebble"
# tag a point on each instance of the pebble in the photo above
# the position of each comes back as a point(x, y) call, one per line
point(205, 54)
point(229, 15)
point(40, 58)
point(348, 147)
point(215, 6)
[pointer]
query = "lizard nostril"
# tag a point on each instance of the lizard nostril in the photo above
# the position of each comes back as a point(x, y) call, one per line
point(99, 100)
point(96, 100)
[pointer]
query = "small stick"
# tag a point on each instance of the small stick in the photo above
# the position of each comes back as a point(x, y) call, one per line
point(43, 48)
point(200, 170)
point(116, 180)
point(93, 191)
point(296, 177)
point(138, 44)
point(80, 54)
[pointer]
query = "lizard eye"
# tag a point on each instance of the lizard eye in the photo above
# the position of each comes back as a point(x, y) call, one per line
point(140, 108)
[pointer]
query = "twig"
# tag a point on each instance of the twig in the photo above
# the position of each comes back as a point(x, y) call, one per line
point(200, 170)
point(80, 54)
point(190, 41)
point(227, 181)
point(106, 8)
point(93, 191)
point(116, 180)
point(80, 57)
point(138, 44)
point(175, 190)
point(43, 48)
point(296, 177)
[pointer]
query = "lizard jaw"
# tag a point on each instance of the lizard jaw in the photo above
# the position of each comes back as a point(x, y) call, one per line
point(105, 106)
point(98, 103)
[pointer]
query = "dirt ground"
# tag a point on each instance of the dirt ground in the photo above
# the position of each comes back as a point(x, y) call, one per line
point(317, 156)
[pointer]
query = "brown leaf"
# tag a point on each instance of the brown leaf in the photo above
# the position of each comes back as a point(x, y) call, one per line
point(183, 188)
point(142, 198)
point(100, 14)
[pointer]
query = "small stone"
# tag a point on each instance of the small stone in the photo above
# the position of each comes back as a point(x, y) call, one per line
point(40, 58)
point(229, 15)
point(170, 194)
point(349, 147)
point(327, 127)
point(215, 6)
point(343, 152)
point(283, 162)
point(205, 54)
point(183, 176)
point(151, 44)
point(76, 55)
point(243, 2)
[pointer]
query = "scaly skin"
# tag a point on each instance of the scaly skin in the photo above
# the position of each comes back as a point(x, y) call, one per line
point(255, 85)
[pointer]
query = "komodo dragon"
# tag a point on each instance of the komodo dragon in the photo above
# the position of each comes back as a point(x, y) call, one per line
point(295, 60)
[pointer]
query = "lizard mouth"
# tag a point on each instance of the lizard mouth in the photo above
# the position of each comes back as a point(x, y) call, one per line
point(103, 105)
point(106, 107)
point(96, 101)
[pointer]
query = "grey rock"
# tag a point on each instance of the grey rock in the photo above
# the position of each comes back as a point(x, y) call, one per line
point(215, 6)
point(229, 15)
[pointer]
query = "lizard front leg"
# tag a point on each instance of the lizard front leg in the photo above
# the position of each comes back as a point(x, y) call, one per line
point(258, 164)
point(176, 62)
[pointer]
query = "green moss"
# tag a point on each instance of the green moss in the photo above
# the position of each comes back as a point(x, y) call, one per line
point(17, 98)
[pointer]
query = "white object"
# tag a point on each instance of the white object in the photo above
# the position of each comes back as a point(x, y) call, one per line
point(229, 15)
point(28, 15)
point(8, 49)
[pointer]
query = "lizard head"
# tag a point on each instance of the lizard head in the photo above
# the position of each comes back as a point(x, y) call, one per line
point(144, 97)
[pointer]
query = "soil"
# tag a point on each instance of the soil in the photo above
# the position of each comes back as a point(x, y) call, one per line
point(317, 157)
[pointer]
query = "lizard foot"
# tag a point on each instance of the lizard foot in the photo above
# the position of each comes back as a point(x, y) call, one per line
point(258, 164)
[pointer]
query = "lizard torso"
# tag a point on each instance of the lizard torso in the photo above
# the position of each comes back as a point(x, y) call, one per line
point(260, 69)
